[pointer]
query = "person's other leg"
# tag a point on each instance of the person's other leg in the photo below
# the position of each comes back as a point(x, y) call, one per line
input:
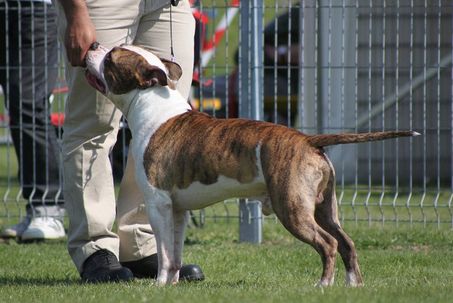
point(32, 70)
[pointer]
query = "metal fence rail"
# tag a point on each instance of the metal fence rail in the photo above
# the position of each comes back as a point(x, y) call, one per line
point(323, 66)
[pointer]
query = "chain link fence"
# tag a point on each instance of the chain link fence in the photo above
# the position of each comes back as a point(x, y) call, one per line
point(318, 66)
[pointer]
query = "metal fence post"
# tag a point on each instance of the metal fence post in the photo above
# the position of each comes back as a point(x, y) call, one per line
point(251, 101)
point(250, 221)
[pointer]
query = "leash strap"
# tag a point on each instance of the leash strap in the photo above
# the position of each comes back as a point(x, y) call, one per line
point(173, 3)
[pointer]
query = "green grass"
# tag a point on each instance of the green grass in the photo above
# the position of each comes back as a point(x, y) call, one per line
point(398, 265)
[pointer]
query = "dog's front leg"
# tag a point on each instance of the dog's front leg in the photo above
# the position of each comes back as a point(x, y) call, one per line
point(180, 220)
point(160, 214)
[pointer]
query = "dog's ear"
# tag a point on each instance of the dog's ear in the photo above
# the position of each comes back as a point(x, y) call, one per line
point(174, 72)
point(150, 75)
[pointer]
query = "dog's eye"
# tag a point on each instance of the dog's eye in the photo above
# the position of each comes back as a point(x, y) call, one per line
point(108, 57)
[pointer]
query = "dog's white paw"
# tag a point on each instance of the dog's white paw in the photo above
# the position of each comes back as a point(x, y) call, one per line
point(352, 280)
point(325, 283)
point(160, 283)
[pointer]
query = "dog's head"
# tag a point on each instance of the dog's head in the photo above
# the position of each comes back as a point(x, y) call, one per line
point(127, 67)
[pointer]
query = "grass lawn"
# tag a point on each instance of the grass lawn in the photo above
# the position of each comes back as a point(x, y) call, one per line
point(398, 264)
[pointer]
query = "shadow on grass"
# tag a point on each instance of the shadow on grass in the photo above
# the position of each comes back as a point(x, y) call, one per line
point(50, 281)
point(42, 281)
point(48, 242)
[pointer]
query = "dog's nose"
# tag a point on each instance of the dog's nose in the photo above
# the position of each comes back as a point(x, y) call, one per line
point(94, 46)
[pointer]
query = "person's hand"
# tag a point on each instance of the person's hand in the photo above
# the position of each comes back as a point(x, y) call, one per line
point(80, 31)
point(80, 34)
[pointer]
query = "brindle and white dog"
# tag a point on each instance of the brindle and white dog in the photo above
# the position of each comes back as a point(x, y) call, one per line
point(188, 160)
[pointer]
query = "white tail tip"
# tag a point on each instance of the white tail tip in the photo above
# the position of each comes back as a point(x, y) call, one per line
point(414, 133)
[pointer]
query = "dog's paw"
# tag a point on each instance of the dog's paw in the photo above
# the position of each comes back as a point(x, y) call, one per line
point(162, 281)
point(325, 283)
point(353, 280)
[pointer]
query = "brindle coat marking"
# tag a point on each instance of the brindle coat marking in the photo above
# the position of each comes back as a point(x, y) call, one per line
point(194, 147)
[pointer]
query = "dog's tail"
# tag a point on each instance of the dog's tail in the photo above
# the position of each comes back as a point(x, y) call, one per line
point(347, 138)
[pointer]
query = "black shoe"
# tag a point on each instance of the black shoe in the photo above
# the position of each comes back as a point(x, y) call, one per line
point(103, 266)
point(147, 268)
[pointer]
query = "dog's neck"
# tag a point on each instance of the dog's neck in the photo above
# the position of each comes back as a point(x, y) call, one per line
point(157, 104)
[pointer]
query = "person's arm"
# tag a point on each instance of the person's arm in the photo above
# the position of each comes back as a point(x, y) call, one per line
point(80, 31)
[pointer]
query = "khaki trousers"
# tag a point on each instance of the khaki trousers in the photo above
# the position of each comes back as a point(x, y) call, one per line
point(91, 127)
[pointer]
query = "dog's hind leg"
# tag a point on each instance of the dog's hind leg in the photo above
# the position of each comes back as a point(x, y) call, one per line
point(326, 214)
point(299, 220)
point(310, 232)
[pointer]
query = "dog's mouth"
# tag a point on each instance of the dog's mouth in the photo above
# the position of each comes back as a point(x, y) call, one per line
point(95, 82)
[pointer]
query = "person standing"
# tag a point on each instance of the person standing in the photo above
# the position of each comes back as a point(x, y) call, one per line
point(90, 130)
point(28, 72)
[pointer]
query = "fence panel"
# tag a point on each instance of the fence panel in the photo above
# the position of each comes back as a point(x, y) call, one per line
point(361, 66)
point(327, 66)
